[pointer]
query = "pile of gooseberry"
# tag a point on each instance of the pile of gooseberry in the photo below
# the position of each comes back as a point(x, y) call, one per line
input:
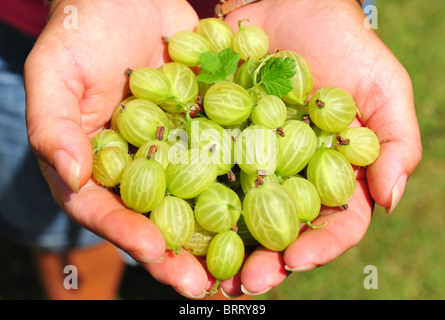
point(220, 157)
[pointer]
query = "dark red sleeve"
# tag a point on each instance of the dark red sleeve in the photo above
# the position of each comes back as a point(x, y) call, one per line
point(29, 16)
point(204, 8)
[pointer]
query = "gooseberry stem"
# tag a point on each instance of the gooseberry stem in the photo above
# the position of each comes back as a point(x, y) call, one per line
point(261, 173)
point(165, 39)
point(152, 152)
point(319, 103)
point(231, 175)
point(280, 131)
point(188, 124)
point(342, 141)
point(241, 21)
point(232, 207)
point(160, 131)
point(214, 288)
point(315, 227)
point(259, 181)
point(129, 72)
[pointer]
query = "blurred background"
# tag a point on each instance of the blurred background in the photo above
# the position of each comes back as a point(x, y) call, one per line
point(407, 247)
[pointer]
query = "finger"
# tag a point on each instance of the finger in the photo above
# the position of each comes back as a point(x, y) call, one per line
point(75, 78)
point(231, 288)
point(317, 247)
point(54, 120)
point(171, 23)
point(103, 213)
point(263, 270)
point(393, 119)
point(183, 272)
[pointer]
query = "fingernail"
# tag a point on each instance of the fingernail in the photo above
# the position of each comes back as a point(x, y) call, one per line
point(187, 294)
point(243, 289)
point(66, 166)
point(300, 269)
point(397, 192)
point(231, 296)
point(139, 256)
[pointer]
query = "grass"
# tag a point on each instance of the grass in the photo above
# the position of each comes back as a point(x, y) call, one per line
point(407, 247)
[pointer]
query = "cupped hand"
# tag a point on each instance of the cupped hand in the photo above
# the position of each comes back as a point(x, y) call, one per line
point(342, 51)
point(74, 78)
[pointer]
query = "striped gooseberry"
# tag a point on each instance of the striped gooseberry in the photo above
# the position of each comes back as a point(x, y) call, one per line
point(306, 198)
point(117, 112)
point(225, 256)
point(332, 109)
point(257, 150)
point(217, 32)
point(218, 208)
point(270, 111)
point(139, 121)
point(271, 215)
point(297, 147)
point(248, 181)
point(143, 184)
point(251, 42)
point(199, 243)
point(108, 165)
point(150, 84)
point(184, 87)
point(359, 145)
point(186, 47)
point(333, 177)
point(245, 73)
point(108, 138)
point(162, 149)
point(227, 103)
point(205, 134)
point(174, 217)
point(302, 81)
point(191, 173)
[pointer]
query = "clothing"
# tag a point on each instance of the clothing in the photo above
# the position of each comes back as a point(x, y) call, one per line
point(29, 16)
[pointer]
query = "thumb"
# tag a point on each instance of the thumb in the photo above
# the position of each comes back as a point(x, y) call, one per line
point(53, 117)
point(395, 123)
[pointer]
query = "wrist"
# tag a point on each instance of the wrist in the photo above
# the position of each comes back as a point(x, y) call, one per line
point(226, 6)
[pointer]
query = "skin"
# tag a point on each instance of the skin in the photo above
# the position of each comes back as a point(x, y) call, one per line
point(74, 78)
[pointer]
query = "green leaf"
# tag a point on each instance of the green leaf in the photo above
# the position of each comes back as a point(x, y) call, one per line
point(275, 75)
point(218, 65)
point(210, 61)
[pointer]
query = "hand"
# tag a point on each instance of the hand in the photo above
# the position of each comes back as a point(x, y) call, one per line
point(74, 78)
point(331, 36)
